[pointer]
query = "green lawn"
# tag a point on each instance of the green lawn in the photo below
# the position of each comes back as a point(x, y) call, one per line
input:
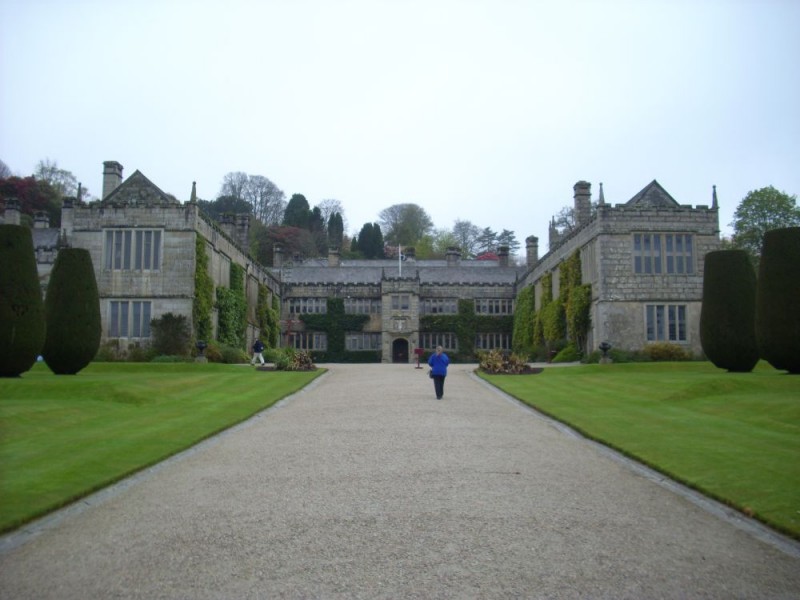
point(63, 437)
point(733, 436)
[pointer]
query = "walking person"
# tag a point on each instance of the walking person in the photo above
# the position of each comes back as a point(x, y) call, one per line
point(258, 348)
point(438, 362)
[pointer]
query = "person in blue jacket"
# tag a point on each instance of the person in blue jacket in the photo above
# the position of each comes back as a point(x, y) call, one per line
point(438, 362)
point(258, 348)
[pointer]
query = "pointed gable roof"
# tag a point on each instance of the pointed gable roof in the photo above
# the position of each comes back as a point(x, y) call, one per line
point(653, 195)
point(138, 190)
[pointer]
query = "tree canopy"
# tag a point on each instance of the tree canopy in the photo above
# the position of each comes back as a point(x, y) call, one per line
point(297, 213)
point(761, 211)
point(404, 224)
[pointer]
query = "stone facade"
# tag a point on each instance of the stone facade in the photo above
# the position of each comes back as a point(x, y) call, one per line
point(394, 295)
point(143, 243)
point(645, 288)
point(644, 261)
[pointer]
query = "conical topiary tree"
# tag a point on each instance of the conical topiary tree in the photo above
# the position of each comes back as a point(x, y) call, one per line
point(727, 318)
point(72, 309)
point(22, 326)
point(777, 297)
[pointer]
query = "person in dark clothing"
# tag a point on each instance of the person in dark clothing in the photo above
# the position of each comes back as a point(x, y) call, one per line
point(258, 348)
point(438, 362)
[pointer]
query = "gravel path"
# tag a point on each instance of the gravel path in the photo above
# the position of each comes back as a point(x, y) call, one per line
point(365, 486)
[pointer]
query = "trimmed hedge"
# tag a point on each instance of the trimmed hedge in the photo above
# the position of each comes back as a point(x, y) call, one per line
point(72, 309)
point(727, 317)
point(22, 324)
point(777, 296)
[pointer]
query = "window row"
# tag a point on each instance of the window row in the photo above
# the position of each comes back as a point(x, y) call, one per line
point(129, 319)
point(665, 322)
point(401, 302)
point(449, 341)
point(133, 249)
point(297, 306)
point(655, 253)
point(438, 306)
point(362, 306)
point(494, 306)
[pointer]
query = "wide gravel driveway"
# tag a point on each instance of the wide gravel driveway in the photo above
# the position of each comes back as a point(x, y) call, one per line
point(365, 486)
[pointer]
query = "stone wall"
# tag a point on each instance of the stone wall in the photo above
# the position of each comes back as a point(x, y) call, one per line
point(619, 295)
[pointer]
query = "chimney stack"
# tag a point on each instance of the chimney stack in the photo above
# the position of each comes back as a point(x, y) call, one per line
point(277, 256)
point(333, 257)
point(112, 177)
point(583, 202)
point(12, 215)
point(41, 220)
point(453, 255)
point(243, 230)
point(532, 250)
point(502, 254)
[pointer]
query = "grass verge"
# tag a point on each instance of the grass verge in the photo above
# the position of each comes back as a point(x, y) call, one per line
point(63, 437)
point(733, 436)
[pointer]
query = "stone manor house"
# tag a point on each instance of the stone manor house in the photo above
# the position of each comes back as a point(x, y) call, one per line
point(643, 259)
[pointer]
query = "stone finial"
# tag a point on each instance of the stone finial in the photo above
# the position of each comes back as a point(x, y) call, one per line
point(714, 203)
point(193, 197)
point(80, 193)
point(602, 198)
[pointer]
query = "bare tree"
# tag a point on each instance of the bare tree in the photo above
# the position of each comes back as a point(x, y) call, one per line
point(62, 181)
point(330, 206)
point(267, 199)
point(466, 235)
point(234, 184)
point(5, 171)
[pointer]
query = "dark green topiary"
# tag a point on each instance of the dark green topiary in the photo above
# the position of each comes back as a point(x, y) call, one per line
point(72, 309)
point(777, 297)
point(171, 335)
point(22, 326)
point(727, 318)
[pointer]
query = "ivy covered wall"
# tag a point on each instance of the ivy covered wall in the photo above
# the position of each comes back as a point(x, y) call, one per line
point(466, 324)
point(232, 310)
point(203, 292)
point(336, 323)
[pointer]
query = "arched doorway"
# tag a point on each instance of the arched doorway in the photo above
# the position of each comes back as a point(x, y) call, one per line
point(400, 351)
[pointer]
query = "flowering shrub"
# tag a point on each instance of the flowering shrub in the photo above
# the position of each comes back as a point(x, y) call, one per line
point(496, 362)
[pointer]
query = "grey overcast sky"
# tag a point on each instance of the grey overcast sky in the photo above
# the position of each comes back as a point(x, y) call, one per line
point(480, 110)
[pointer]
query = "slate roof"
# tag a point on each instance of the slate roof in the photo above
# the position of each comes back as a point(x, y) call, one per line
point(46, 239)
point(428, 272)
point(138, 190)
point(653, 195)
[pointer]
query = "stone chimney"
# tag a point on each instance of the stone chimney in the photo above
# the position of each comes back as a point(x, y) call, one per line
point(583, 202)
point(41, 220)
point(554, 238)
point(112, 177)
point(531, 250)
point(277, 256)
point(502, 254)
point(453, 255)
point(243, 230)
point(227, 222)
point(12, 215)
point(333, 257)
